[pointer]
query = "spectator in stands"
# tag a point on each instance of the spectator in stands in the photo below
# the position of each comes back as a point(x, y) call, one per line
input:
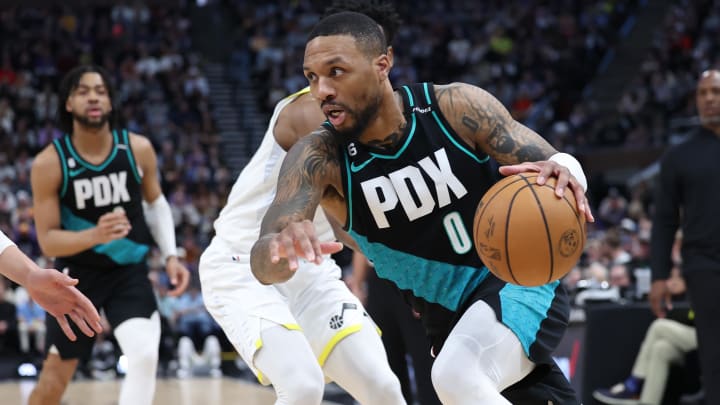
point(190, 317)
point(666, 343)
point(31, 321)
point(8, 319)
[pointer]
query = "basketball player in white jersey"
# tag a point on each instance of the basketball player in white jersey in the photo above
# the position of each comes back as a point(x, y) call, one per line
point(297, 334)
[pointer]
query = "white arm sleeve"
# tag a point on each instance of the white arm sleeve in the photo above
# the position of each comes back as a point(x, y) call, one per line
point(573, 166)
point(5, 242)
point(160, 221)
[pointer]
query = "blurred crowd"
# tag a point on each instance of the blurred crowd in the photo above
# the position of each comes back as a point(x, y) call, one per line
point(535, 56)
point(161, 93)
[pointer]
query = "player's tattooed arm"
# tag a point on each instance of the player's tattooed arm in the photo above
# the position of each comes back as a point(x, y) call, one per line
point(307, 172)
point(479, 118)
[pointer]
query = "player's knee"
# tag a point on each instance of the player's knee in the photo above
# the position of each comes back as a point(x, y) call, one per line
point(446, 377)
point(302, 386)
point(143, 359)
point(386, 391)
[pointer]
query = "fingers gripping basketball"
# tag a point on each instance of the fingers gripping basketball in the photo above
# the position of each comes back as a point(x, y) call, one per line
point(525, 234)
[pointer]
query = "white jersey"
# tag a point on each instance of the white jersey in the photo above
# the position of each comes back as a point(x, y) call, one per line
point(239, 221)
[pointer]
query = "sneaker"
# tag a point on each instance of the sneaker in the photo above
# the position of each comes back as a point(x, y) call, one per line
point(617, 395)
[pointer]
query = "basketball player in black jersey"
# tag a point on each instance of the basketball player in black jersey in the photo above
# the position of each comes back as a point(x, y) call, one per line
point(402, 172)
point(88, 191)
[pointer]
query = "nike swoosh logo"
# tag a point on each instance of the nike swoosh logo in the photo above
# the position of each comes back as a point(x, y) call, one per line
point(356, 168)
point(74, 173)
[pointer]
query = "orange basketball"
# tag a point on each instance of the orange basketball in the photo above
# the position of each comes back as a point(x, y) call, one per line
point(525, 234)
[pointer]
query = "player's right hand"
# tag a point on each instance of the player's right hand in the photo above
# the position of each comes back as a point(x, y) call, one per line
point(298, 240)
point(111, 226)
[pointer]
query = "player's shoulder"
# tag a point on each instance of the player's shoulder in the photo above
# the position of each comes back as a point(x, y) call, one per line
point(47, 158)
point(299, 117)
point(142, 149)
point(139, 141)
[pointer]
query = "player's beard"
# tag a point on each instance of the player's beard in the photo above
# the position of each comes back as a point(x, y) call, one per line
point(362, 119)
point(87, 122)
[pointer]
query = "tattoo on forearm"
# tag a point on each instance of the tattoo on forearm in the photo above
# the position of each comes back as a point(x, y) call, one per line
point(304, 170)
point(483, 120)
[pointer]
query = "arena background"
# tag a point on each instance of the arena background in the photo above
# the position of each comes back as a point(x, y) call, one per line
point(610, 81)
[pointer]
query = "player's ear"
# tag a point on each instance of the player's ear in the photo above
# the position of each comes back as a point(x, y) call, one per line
point(391, 55)
point(383, 64)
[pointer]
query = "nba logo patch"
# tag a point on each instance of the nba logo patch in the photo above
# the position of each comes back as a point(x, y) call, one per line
point(71, 163)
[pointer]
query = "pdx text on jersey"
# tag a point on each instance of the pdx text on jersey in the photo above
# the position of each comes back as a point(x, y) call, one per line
point(103, 190)
point(384, 192)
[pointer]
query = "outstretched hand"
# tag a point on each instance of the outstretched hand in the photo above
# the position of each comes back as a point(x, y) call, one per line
point(547, 169)
point(298, 240)
point(56, 292)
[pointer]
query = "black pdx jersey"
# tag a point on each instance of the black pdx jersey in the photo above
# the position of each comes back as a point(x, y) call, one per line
point(411, 209)
point(88, 191)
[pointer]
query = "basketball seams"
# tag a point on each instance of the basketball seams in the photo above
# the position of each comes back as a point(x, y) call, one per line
point(507, 227)
point(481, 213)
point(545, 222)
point(501, 201)
point(574, 209)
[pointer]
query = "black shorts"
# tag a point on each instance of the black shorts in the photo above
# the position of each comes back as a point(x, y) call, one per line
point(538, 316)
point(546, 384)
point(122, 292)
point(545, 309)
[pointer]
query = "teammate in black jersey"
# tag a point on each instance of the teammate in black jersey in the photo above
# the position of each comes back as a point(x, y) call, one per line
point(88, 192)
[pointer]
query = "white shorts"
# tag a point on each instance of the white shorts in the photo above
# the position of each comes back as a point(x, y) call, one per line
point(314, 301)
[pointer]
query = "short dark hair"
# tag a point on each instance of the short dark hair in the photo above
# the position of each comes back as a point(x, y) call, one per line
point(70, 82)
point(366, 31)
point(383, 13)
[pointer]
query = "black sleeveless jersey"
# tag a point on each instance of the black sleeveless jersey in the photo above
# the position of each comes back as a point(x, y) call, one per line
point(88, 191)
point(411, 209)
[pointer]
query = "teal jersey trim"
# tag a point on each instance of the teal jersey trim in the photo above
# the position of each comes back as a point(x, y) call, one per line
point(63, 162)
point(410, 96)
point(131, 158)
point(91, 166)
point(427, 93)
point(349, 195)
point(121, 251)
point(446, 284)
point(525, 308)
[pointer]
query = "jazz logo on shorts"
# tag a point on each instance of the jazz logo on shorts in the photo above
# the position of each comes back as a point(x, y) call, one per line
point(337, 321)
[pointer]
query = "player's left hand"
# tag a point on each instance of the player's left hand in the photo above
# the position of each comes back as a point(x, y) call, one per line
point(179, 276)
point(56, 292)
point(549, 168)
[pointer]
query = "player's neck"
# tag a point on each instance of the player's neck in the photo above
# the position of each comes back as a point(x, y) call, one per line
point(387, 129)
point(92, 141)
